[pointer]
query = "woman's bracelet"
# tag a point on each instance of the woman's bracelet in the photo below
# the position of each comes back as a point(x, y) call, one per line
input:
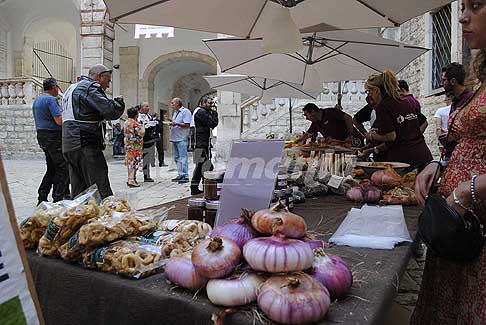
point(458, 202)
point(473, 190)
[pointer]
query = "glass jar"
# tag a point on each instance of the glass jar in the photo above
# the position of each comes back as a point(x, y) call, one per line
point(212, 181)
point(196, 209)
point(289, 197)
point(282, 179)
point(211, 212)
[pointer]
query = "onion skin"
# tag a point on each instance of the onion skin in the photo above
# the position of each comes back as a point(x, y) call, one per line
point(278, 220)
point(238, 230)
point(180, 271)
point(332, 272)
point(278, 254)
point(236, 291)
point(293, 299)
point(216, 257)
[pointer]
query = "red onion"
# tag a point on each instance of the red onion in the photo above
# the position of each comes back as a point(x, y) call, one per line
point(241, 290)
point(216, 257)
point(293, 299)
point(316, 244)
point(180, 271)
point(354, 194)
point(364, 193)
point(278, 254)
point(278, 220)
point(333, 273)
point(238, 230)
point(386, 179)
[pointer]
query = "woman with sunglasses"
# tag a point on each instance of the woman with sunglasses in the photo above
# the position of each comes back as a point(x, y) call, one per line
point(454, 292)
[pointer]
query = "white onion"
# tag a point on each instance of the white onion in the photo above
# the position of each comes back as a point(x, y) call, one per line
point(180, 271)
point(216, 257)
point(293, 299)
point(278, 254)
point(237, 291)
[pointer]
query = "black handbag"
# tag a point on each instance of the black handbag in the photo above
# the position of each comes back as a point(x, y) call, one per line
point(447, 234)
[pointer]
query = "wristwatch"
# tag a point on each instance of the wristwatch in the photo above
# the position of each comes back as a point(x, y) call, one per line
point(375, 150)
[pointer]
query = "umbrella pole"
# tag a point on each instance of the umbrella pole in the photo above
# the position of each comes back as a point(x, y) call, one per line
point(290, 113)
point(340, 94)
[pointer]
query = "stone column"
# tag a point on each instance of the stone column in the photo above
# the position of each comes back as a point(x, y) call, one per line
point(97, 35)
point(129, 75)
point(229, 123)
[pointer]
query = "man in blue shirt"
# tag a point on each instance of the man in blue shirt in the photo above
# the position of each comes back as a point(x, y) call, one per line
point(179, 133)
point(48, 121)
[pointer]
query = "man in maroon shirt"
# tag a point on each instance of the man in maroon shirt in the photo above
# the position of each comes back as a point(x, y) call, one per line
point(330, 123)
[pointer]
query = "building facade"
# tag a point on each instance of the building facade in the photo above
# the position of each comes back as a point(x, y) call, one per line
point(39, 38)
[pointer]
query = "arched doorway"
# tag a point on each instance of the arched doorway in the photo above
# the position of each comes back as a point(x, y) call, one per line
point(177, 74)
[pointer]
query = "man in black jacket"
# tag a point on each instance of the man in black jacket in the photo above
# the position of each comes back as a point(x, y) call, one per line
point(149, 140)
point(84, 108)
point(205, 119)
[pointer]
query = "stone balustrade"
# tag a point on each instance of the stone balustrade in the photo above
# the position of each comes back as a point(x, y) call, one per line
point(19, 91)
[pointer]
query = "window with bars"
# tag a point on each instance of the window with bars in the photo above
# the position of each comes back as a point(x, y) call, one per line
point(441, 43)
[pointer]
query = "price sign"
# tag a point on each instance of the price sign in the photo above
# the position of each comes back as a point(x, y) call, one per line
point(335, 181)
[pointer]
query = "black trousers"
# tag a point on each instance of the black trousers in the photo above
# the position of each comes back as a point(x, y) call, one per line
point(160, 151)
point(202, 159)
point(87, 166)
point(148, 159)
point(57, 174)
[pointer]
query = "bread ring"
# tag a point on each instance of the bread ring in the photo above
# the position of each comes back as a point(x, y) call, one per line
point(145, 257)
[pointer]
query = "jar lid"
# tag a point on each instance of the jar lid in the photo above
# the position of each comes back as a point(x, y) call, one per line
point(212, 205)
point(288, 191)
point(214, 175)
point(279, 193)
point(196, 202)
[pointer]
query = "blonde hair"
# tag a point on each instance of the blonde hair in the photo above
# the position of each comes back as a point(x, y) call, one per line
point(386, 81)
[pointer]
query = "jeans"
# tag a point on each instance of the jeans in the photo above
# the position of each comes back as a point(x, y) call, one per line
point(87, 166)
point(57, 174)
point(180, 157)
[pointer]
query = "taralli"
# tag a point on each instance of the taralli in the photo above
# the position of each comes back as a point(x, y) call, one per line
point(62, 227)
point(171, 243)
point(128, 258)
point(32, 228)
point(104, 230)
point(196, 228)
point(111, 204)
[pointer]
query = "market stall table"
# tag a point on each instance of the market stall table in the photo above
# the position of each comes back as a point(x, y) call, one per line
point(70, 294)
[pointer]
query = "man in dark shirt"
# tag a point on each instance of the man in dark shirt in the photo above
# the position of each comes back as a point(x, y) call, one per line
point(453, 77)
point(205, 119)
point(84, 107)
point(149, 139)
point(159, 143)
point(405, 90)
point(330, 123)
point(48, 121)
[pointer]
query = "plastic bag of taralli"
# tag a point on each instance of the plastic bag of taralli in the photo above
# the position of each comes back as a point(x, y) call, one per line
point(32, 228)
point(195, 228)
point(120, 202)
point(172, 244)
point(128, 258)
point(109, 228)
point(62, 227)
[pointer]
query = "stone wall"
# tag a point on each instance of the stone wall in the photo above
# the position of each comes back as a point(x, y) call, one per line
point(17, 133)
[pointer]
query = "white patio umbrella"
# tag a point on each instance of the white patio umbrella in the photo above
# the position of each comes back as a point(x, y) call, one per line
point(255, 86)
point(327, 56)
point(276, 21)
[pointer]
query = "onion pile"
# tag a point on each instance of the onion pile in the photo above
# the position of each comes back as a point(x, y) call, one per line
point(278, 254)
point(238, 230)
point(241, 290)
point(279, 220)
point(364, 193)
point(216, 257)
point(293, 299)
point(181, 271)
point(386, 179)
point(333, 273)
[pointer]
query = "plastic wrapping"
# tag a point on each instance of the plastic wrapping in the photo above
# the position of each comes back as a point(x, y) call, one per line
point(34, 227)
point(194, 228)
point(172, 244)
point(109, 228)
point(115, 203)
point(63, 226)
point(132, 259)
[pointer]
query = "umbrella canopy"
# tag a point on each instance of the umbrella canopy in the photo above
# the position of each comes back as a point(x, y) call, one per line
point(277, 22)
point(327, 56)
point(255, 86)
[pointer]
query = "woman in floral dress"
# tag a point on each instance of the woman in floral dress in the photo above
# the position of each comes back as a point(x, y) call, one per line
point(452, 292)
point(134, 132)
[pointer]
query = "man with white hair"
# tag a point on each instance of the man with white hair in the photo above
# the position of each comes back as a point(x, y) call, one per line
point(84, 108)
point(179, 133)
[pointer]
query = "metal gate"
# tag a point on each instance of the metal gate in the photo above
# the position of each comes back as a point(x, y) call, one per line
point(51, 60)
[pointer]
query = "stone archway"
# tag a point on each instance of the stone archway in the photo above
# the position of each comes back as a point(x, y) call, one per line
point(146, 84)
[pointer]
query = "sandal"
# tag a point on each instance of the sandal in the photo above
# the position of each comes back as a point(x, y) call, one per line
point(133, 184)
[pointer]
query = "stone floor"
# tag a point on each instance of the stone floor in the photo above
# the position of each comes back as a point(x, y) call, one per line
point(23, 177)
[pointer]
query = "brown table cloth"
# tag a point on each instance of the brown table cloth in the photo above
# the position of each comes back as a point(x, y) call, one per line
point(69, 294)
